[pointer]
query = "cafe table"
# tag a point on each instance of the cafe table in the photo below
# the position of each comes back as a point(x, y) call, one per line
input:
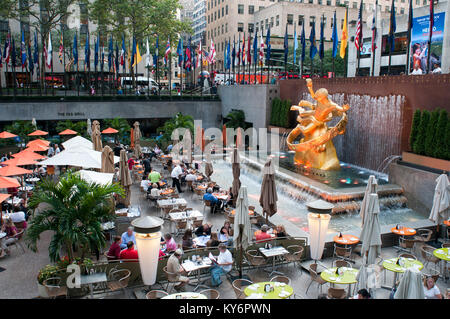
point(197, 266)
point(189, 216)
point(220, 196)
point(405, 263)
point(402, 232)
point(185, 295)
point(444, 255)
point(91, 279)
point(273, 253)
point(346, 240)
point(33, 180)
point(345, 276)
point(257, 290)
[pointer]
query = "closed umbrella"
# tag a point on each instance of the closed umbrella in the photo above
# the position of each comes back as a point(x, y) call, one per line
point(411, 285)
point(371, 231)
point(371, 188)
point(242, 227)
point(441, 200)
point(362, 278)
point(137, 140)
point(236, 168)
point(96, 136)
point(107, 160)
point(89, 127)
point(125, 177)
point(268, 197)
point(208, 166)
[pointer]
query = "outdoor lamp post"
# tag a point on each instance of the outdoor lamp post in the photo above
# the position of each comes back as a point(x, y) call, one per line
point(318, 220)
point(148, 238)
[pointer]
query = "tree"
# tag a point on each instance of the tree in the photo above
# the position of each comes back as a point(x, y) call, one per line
point(439, 142)
point(21, 129)
point(419, 145)
point(178, 121)
point(273, 114)
point(236, 119)
point(122, 126)
point(431, 133)
point(73, 210)
point(414, 128)
point(80, 127)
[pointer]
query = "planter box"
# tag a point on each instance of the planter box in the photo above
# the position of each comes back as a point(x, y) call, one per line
point(426, 161)
point(42, 291)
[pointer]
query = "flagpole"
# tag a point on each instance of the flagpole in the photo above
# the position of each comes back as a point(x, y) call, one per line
point(430, 36)
point(374, 34)
point(64, 62)
point(170, 74)
point(239, 60)
point(408, 47)
point(201, 67)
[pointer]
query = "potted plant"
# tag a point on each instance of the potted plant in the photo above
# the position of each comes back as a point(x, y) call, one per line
point(47, 272)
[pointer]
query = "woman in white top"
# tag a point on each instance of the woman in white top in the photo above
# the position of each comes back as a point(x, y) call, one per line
point(430, 289)
point(155, 192)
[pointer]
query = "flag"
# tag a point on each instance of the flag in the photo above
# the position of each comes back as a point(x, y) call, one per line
point(148, 61)
point(116, 60)
point(199, 53)
point(255, 48)
point(133, 52)
point(244, 53)
point(358, 35)
point(374, 27)
point(212, 53)
point(7, 49)
point(344, 37)
point(392, 27)
point(334, 36)
point(61, 48)
point(180, 52)
point(295, 45)
point(286, 45)
point(75, 50)
point(312, 41)
point(431, 19)
point(249, 56)
point(87, 52)
point(102, 58)
point(30, 59)
point(268, 44)
point(110, 54)
point(261, 50)
point(155, 56)
point(228, 66)
point(188, 57)
point(303, 41)
point(321, 49)
point(13, 54)
point(36, 51)
point(410, 18)
point(96, 51)
point(137, 57)
point(166, 54)
point(233, 54)
point(49, 51)
point(23, 50)
point(239, 51)
point(122, 52)
point(1, 58)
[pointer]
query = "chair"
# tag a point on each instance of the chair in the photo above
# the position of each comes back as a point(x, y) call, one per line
point(189, 185)
point(295, 254)
point(230, 218)
point(119, 279)
point(423, 235)
point(315, 277)
point(53, 287)
point(282, 279)
point(238, 287)
point(170, 281)
point(156, 294)
point(180, 226)
point(210, 293)
point(342, 263)
point(433, 273)
point(17, 242)
point(254, 258)
point(207, 203)
point(406, 244)
point(337, 293)
point(407, 256)
point(445, 245)
point(197, 223)
point(427, 255)
point(342, 252)
point(109, 257)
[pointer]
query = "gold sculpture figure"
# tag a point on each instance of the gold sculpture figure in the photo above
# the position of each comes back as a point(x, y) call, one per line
point(315, 149)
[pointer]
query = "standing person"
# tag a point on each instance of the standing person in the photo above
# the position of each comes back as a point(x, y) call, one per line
point(176, 176)
point(51, 151)
point(11, 231)
point(117, 149)
point(131, 163)
point(57, 150)
point(175, 270)
point(437, 69)
point(222, 265)
point(147, 165)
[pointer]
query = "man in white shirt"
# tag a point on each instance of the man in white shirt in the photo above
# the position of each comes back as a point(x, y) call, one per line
point(176, 175)
point(417, 70)
point(190, 177)
point(50, 151)
point(222, 265)
point(57, 150)
point(437, 69)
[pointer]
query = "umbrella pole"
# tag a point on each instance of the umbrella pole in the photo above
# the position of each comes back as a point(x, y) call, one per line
point(241, 252)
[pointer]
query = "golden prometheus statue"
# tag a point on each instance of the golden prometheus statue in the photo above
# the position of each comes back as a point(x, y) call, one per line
point(315, 149)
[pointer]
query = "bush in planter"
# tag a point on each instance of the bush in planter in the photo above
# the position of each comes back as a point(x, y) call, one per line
point(274, 112)
point(419, 144)
point(440, 142)
point(430, 133)
point(47, 272)
point(414, 128)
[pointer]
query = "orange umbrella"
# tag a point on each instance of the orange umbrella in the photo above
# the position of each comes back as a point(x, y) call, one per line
point(68, 132)
point(37, 148)
point(5, 134)
point(20, 161)
point(38, 142)
point(13, 171)
point(224, 135)
point(3, 197)
point(7, 182)
point(132, 138)
point(28, 154)
point(203, 139)
point(38, 133)
point(110, 130)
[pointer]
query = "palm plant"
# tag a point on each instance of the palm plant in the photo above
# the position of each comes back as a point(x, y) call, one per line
point(21, 129)
point(236, 119)
point(73, 209)
point(178, 121)
point(122, 126)
point(80, 126)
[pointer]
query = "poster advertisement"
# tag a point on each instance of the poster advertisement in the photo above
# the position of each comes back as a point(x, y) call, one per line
point(419, 42)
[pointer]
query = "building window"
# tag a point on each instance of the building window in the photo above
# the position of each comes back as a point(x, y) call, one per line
point(257, 26)
point(388, 9)
point(342, 23)
point(215, 16)
point(251, 9)
point(240, 27)
point(240, 9)
point(290, 18)
point(223, 10)
point(208, 19)
point(218, 14)
point(278, 20)
point(319, 2)
point(251, 27)
point(328, 2)
point(222, 28)
point(310, 1)
point(300, 20)
point(402, 11)
point(260, 8)
point(312, 20)
point(355, 5)
point(226, 27)
point(271, 22)
point(226, 9)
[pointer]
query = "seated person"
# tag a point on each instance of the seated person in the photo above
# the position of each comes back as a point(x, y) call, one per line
point(430, 289)
point(10, 229)
point(128, 236)
point(190, 176)
point(213, 240)
point(145, 183)
point(203, 230)
point(187, 240)
point(154, 177)
point(155, 191)
point(161, 254)
point(129, 252)
point(225, 237)
point(281, 231)
point(215, 203)
point(114, 249)
point(263, 235)
point(362, 294)
point(175, 270)
point(19, 217)
point(222, 265)
point(170, 243)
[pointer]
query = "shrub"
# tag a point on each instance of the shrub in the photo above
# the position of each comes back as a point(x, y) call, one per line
point(440, 140)
point(419, 144)
point(430, 133)
point(414, 128)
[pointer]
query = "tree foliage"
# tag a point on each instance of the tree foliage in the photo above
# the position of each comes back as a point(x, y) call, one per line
point(430, 133)
point(122, 126)
point(178, 121)
point(236, 119)
point(414, 128)
point(21, 129)
point(80, 127)
point(419, 145)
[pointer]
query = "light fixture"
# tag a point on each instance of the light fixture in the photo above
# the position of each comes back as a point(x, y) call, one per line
point(318, 220)
point(148, 239)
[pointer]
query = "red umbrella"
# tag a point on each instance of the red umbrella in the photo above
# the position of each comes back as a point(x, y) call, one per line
point(13, 171)
point(6, 135)
point(37, 148)
point(3, 197)
point(110, 130)
point(68, 132)
point(20, 161)
point(38, 133)
point(39, 142)
point(28, 154)
point(7, 182)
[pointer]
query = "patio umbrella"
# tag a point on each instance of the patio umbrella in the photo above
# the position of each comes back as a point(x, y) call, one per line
point(96, 177)
point(110, 130)
point(268, 197)
point(28, 154)
point(38, 133)
point(89, 127)
point(187, 146)
point(96, 137)
point(441, 200)
point(371, 231)
point(236, 168)
point(5, 134)
point(37, 148)
point(411, 285)
point(13, 171)
point(7, 182)
point(80, 157)
point(68, 132)
point(132, 138)
point(242, 227)
point(224, 135)
point(107, 160)
point(371, 188)
point(3, 197)
point(137, 140)
point(38, 142)
point(20, 161)
point(77, 142)
point(362, 278)
point(208, 167)
point(125, 177)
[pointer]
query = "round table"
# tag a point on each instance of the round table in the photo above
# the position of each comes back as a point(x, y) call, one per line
point(404, 231)
point(348, 276)
point(258, 232)
point(346, 240)
point(202, 187)
point(220, 196)
point(442, 253)
point(391, 265)
point(185, 295)
point(33, 180)
point(167, 192)
point(258, 290)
